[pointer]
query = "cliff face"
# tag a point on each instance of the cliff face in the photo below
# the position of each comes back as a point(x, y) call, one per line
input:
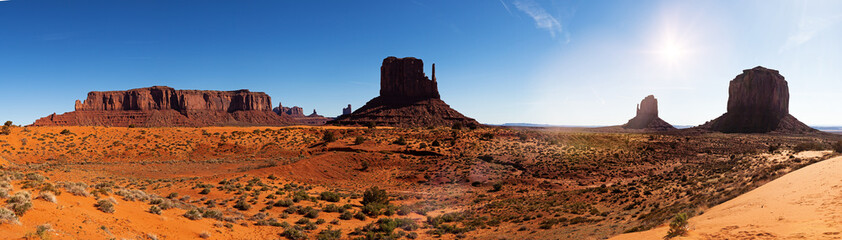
point(403, 78)
point(407, 98)
point(167, 98)
point(161, 106)
point(647, 116)
point(758, 102)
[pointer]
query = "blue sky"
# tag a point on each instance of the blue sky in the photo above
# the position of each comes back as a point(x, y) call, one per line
point(552, 62)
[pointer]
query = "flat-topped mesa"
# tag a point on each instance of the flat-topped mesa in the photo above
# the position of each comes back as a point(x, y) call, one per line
point(647, 116)
point(403, 78)
point(407, 99)
point(161, 106)
point(167, 98)
point(294, 111)
point(758, 102)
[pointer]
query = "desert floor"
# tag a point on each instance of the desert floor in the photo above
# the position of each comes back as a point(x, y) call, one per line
point(438, 182)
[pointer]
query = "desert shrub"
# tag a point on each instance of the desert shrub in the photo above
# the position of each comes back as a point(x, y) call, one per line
point(65, 132)
point(77, 188)
point(330, 196)
point(7, 216)
point(329, 234)
point(837, 147)
point(331, 208)
point(435, 143)
point(155, 209)
point(20, 202)
point(213, 213)
point(105, 206)
point(346, 215)
point(329, 136)
point(809, 146)
point(47, 196)
point(163, 203)
point(7, 124)
point(204, 235)
point(373, 209)
point(496, 187)
point(678, 226)
point(40, 232)
point(375, 195)
point(242, 205)
point(294, 234)
point(487, 136)
point(457, 126)
point(359, 140)
point(132, 194)
point(205, 191)
point(400, 141)
point(300, 195)
point(359, 215)
point(283, 203)
point(311, 213)
point(193, 214)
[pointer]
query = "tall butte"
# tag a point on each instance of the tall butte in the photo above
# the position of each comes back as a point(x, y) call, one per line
point(758, 102)
point(407, 98)
point(647, 117)
point(161, 106)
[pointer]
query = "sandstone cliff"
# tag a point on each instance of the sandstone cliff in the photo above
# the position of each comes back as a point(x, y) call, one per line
point(161, 106)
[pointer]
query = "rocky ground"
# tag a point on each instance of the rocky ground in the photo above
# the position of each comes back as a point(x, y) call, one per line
point(325, 182)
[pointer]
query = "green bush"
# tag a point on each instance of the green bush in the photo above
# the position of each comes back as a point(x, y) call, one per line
point(294, 234)
point(375, 195)
point(359, 140)
point(283, 203)
point(678, 226)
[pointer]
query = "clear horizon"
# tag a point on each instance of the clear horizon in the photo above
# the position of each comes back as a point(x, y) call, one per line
point(523, 61)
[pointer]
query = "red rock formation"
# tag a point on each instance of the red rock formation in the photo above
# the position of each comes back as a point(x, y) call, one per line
point(404, 78)
point(347, 110)
point(294, 111)
point(647, 116)
point(758, 102)
point(407, 98)
point(161, 106)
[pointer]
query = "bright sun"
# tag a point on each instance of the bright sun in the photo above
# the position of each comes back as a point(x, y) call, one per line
point(671, 52)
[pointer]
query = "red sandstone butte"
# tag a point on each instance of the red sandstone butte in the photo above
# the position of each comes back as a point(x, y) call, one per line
point(407, 98)
point(758, 102)
point(647, 116)
point(162, 106)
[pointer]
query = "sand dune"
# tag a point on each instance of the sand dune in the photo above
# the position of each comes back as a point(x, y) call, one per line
point(805, 204)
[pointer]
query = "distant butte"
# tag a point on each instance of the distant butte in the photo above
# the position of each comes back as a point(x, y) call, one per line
point(647, 117)
point(758, 102)
point(162, 106)
point(407, 98)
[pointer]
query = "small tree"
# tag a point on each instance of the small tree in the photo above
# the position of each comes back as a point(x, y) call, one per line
point(678, 226)
point(7, 124)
